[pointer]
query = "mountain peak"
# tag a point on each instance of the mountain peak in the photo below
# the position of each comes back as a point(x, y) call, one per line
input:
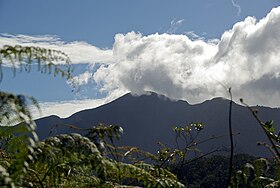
point(149, 95)
point(148, 118)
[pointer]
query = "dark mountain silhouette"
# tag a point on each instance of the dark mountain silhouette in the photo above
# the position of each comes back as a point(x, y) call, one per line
point(148, 119)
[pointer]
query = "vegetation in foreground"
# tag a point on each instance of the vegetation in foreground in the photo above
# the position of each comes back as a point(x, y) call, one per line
point(93, 160)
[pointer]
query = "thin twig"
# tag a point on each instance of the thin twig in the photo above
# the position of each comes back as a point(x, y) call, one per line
point(37, 176)
point(269, 147)
point(204, 155)
point(277, 156)
point(212, 138)
point(231, 139)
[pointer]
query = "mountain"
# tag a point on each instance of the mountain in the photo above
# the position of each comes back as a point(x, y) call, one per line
point(148, 119)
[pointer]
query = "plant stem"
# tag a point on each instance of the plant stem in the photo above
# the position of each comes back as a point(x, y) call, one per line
point(231, 140)
point(254, 113)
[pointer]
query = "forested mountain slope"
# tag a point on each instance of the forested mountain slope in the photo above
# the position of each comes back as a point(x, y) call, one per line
point(148, 119)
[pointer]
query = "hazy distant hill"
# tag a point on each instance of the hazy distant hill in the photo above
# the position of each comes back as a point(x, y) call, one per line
point(148, 119)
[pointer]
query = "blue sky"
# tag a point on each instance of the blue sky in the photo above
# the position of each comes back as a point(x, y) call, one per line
point(98, 21)
point(124, 42)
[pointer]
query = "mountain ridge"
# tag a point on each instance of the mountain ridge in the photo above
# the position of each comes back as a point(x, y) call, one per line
point(147, 119)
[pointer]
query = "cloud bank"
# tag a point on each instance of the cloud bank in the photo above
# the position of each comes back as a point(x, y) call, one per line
point(65, 108)
point(79, 52)
point(245, 58)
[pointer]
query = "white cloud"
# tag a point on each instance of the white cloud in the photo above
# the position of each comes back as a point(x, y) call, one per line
point(174, 25)
point(246, 58)
point(182, 68)
point(81, 79)
point(65, 108)
point(168, 64)
point(79, 52)
point(192, 35)
point(236, 6)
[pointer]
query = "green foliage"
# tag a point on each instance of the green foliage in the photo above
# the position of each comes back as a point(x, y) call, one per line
point(57, 161)
point(64, 160)
point(186, 142)
point(94, 161)
point(165, 156)
point(24, 56)
point(75, 161)
point(18, 142)
point(269, 130)
point(256, 174)
point(14, 109)
point(72, 161)
point(101, 133)
point(211, 171)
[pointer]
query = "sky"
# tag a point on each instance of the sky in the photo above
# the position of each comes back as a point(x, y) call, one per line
point(188, 50)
